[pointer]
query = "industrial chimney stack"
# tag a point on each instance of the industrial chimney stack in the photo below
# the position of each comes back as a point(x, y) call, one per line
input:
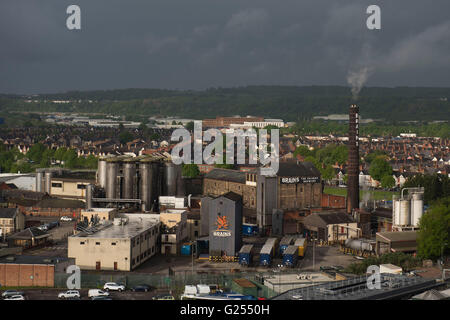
point(353, 159)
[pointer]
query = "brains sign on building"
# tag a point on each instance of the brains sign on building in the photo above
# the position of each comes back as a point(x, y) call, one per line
point(222, 227)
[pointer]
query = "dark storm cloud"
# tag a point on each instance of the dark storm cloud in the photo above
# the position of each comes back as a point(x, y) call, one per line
point(197, 44)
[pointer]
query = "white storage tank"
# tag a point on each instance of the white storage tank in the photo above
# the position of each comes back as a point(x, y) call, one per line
point(395, 211)
point(416, 208)
point(405, 212)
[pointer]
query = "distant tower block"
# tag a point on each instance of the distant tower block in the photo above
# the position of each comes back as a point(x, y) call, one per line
point(353, 159)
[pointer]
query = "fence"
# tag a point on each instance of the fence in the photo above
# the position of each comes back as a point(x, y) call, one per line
point(174, 283)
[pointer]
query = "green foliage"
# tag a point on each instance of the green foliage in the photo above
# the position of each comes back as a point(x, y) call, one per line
point(125, 136)
point(387, 181)
point(190, 126)
point(36, 151)
point(190, 170)
point(303, 151)
point(374, 154)
point(434, 231)
point(406, 261)
point(436, 186)
point(59, 153)
point(379, 168)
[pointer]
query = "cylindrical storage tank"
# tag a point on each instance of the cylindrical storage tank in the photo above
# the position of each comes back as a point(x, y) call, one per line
point(129, 173)
point(146, 185)
point(180, 182)
point(48, 182)
point(358, 244)
point(89, 197)
point(170, 179)
point(101, 172)
point(405, 212)
point(394, 209)
point(417, 208)
point(156, 181)
point(112, 170)
point(39, 178)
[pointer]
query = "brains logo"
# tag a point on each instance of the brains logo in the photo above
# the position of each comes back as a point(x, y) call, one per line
point(222, 223)
point(222, 227)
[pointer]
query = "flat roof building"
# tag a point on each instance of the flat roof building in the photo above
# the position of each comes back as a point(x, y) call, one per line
point(122, 245)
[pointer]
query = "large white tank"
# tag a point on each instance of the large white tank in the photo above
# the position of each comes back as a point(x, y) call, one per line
point(416, 208)
point(395, 211)
point(405, 212)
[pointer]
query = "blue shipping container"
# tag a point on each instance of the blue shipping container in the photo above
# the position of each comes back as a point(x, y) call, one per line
point(186, 249)
point(249, 229)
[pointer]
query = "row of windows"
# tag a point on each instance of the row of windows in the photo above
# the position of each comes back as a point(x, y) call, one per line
point(143, 255)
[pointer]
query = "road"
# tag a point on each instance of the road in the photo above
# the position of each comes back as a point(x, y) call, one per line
point(52, 294)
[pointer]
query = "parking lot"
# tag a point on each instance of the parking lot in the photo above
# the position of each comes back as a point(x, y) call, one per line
point(52, 294)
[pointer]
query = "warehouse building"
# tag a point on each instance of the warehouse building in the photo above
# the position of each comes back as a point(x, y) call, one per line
point(331, 226)
point(225, 225)
point(174, 230)
point(11, 221)
point(220, 181)
point(296, 186)
point(30, 271)
point(122, 245)
point(405, 241)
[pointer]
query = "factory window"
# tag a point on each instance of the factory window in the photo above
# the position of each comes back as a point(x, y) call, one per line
point(132, 262)
point(196, 234)
point(142, 256)
point(82, 242)
point(56, 185)
point(113, 243)
point(97, 243)
point(137, 240)
point(196, 223)
point(81, 186)
point(132, 243)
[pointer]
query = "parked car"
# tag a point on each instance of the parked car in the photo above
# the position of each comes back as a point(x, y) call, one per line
point(163, 297)
point(69, 294)
point(97, 293)
point(101, 298)
point(10, 293)
point(113, 287)
point(15, 297)
point(141, 288)
point(43, 227)
point(65, 218)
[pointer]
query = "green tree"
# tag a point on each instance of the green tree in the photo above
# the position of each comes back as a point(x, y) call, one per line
point(434, 231)
point(387, 181)
point(379, 168)
point(59, 153)
point(190, 170)
point(190, 126)
point(303, 151)
point(125, 136)
point(36, 151)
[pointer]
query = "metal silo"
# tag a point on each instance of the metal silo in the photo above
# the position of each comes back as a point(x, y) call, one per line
point(129, 177)
point(170, 179)
point(180, 182)
point(395, 211)
point(156, 180)
point(146, 184)
point(39, 178)
point(89, 197)
point(48, 182)
point(112, 170)
point(102, 172)
point(405, 212)
point(416, 208)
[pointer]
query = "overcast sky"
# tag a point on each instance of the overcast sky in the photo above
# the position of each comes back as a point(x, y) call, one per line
point(196, 44)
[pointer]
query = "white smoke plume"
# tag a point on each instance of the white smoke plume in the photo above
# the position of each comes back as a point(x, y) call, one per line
point(356, 78)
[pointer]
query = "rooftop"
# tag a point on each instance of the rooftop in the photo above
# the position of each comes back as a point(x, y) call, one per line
point(297, 169)
point(398, 236)
point(226, 175)
point(137, 223)
point(21, 259)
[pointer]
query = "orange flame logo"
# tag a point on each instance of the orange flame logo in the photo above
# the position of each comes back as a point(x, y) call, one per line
point(222, 223)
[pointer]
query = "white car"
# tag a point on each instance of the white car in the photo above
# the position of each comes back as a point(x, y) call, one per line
point(113, 287)
point(69, 294)
point(65, 218)
point(16, 297)
point(97, 293)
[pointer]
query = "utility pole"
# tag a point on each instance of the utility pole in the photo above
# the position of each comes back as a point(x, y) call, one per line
point(314, 256)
